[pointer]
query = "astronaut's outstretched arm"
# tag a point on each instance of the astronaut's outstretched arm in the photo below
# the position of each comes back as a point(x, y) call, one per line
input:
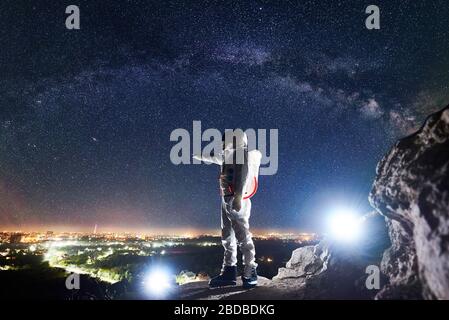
point(209, 159)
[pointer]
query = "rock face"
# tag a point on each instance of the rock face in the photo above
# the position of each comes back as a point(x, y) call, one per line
point(412, 191)
point(305, 261)
point(332, 270)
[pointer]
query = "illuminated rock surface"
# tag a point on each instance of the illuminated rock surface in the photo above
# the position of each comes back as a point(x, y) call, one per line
point(412, 192)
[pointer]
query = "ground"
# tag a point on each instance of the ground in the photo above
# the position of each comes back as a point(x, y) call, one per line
point(201, 291)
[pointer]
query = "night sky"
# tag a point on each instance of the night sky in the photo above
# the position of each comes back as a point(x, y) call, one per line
point(86, 115)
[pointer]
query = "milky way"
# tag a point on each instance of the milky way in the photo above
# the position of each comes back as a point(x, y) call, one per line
point(86, 115)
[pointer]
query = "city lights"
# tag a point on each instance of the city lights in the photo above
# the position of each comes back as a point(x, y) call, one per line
point(102, 255)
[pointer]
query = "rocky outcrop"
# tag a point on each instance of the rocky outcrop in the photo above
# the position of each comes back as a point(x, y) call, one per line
point(305, 262)
point(333, 270)
point(412, 191)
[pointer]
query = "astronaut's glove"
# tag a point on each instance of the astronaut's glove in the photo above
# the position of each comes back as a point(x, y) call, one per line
point(237, 203)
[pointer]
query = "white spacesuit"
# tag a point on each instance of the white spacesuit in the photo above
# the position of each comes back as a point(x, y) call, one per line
point(238, 182)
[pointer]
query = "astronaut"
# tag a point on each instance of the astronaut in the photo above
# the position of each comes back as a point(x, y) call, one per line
point(238, 183)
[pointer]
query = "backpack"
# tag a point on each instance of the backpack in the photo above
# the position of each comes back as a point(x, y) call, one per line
point(250, 189)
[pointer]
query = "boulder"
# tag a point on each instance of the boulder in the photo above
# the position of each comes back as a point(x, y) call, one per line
point(411, 191)
point(332, 269)
point(305, 261)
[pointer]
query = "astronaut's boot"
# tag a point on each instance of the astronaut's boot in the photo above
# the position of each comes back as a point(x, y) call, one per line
point(227, 277)
point(250, 280)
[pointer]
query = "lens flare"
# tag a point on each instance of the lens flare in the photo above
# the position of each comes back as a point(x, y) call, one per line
point(345, 225)
point(158, 281)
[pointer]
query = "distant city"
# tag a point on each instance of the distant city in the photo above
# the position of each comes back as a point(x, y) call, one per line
point(122, 258)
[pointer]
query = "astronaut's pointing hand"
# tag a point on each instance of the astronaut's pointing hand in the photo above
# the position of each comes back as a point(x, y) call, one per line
point(237, 203)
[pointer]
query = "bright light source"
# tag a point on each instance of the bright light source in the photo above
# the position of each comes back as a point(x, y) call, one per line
point(345, 225)
point(158, 281)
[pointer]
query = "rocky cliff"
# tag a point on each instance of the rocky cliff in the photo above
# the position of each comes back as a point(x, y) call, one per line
point(412, 191)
